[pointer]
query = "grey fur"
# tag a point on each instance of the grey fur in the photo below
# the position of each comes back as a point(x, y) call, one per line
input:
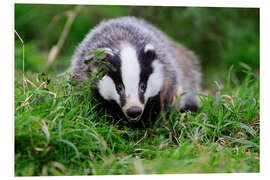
point(180, 65)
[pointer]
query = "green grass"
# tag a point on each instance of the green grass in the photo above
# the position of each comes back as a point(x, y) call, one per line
point(62, 132)
point(58, 132)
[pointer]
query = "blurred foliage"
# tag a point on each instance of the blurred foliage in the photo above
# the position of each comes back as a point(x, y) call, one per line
point(219, 36)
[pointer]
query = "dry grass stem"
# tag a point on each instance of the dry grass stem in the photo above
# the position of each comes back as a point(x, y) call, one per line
point(56, 49)
point(17, 34)
point(145, 135)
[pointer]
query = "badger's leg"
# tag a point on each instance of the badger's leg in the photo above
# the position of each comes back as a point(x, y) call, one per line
point(190, 78)
point(190, 102)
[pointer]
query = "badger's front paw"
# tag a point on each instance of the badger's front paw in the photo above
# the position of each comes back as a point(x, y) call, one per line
point(190, 107)
point(190, 102)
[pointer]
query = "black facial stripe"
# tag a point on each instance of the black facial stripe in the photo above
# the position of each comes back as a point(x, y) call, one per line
point(141, 97)
point(146, 71)
point(117, 79)
point(144, 76)
point(122, 100)
point(115, 61)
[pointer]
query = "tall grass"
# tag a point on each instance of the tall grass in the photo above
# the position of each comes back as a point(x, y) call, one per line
point(61, 131)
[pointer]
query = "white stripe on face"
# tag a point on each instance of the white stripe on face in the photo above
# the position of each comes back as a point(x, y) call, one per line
point(107, 90)
point(130, 68)
point(155, 81)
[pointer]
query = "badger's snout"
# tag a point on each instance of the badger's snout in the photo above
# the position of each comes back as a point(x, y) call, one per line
point(134, 112)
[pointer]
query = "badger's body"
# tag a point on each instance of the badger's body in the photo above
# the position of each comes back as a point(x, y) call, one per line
point(146, 65)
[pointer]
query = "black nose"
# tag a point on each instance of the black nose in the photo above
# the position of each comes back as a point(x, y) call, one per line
point(134, 111)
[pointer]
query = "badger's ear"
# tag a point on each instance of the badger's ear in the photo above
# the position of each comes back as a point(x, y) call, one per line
point(149, 52)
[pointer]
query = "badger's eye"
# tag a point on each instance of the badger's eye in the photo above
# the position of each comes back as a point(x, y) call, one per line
point(120, 88)
point(142, 87)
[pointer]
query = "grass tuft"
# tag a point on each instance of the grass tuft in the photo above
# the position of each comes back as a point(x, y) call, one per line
point(59, 130)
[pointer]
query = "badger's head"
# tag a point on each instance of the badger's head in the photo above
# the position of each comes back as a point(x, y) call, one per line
point(137, 75)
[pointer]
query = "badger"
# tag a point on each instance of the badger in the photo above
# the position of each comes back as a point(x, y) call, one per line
point(148, 67)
